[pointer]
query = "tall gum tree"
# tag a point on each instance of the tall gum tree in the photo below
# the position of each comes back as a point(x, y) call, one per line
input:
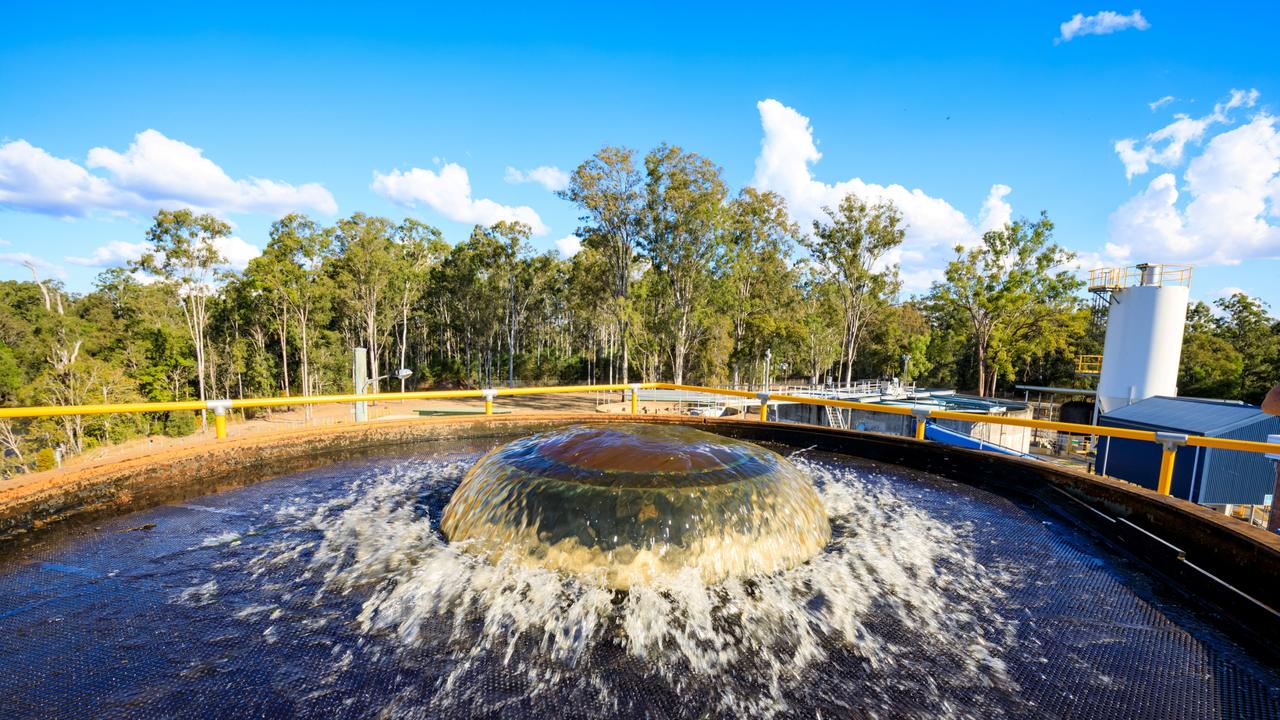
point(610, 190)
point(364, 271)
point(184, 255)
point(1012, 289)
point(683, 198)
point(760, 284)
point(851, 246)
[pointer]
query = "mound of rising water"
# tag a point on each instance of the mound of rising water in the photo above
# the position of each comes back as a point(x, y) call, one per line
point(895, 615)
point(633, 503)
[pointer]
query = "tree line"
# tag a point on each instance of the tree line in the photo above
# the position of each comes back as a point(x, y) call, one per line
point(678, 279)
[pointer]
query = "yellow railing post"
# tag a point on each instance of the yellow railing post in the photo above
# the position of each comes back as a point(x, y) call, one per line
point(1171, 443)
point(764, 406)
point(635, 399)
point(922, 416)
point(219, 408)
point(489, 395)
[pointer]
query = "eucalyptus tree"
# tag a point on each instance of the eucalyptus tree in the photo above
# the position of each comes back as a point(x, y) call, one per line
point(294, 262)
point(364, 270)
point(761, 285)
point(1012, 289)
point(852, 247)
point(418, 248)
point(610, 190)
point(682, 213)
point(184, 255)
point(820, 322)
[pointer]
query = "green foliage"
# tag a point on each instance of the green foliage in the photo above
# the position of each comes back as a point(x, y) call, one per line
point(1011, 298)
point(179, 423)
point(10, 374)
point(678, 279)
point(46, 460)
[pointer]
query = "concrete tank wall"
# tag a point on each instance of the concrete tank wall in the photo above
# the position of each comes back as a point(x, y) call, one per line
point(1143, 345)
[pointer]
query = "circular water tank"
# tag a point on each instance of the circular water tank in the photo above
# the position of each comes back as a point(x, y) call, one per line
point(1144, 344)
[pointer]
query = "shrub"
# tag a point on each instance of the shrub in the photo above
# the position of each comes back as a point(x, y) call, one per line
point(180, 423)
point(46, 460)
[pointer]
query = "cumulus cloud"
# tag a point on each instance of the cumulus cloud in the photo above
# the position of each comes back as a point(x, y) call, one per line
point(1224, 210)
point(112, 254)
point(1103, 23)
point(996, 211)
point(448, 192)
point(548, 176)
point(32, 180)
point(236, 252)
point(934, 226)
point(23, 259)
point(170, 172)
point(154, 172)
point(1166, 146)
point(569, 245)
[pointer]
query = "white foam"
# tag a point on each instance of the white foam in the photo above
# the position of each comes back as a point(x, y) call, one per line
point(889, 562)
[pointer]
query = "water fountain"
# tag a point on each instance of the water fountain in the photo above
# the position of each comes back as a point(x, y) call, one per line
point(634, 502)
point(614, 569)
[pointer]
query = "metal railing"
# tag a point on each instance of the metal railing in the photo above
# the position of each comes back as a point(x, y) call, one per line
point(1088, 364)
point(1112, 279)
point(1169, 441)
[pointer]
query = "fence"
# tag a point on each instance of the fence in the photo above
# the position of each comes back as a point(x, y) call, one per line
point(1169, 441)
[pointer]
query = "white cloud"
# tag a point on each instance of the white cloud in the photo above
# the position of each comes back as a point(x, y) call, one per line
point(154, 172)
point(1161, 102)
point(236, 251)
point(448, 192)
point(1221, 214)
point(169, 172)
point(569, 245)
point(934, 227)
point(1103, 23)
point(548, 176)
point(996, 212)
point(35, 181)
point(21, 259)
point(1227, 292)
point(113, 254)
point(1166, 146)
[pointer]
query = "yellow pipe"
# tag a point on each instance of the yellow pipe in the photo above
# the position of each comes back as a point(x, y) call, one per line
point(488, 404)
point(764, 411)
point(635, 401)
point(220, 426)
point(1165, 483)
point(57, 410)
point(920, 428)
point(104, 409)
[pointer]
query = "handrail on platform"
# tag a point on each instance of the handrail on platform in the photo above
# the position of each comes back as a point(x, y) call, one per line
point(220, 407)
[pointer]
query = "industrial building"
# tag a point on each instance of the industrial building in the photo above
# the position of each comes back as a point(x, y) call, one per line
point(1203, 475)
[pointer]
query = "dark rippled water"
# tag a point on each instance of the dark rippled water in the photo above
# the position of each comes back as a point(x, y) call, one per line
point(331, 593)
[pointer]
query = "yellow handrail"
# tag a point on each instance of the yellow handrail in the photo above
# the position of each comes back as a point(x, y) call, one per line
point(1166, 465)
point(219, 407)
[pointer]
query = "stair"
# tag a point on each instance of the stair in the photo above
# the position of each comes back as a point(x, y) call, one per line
point(835, 418)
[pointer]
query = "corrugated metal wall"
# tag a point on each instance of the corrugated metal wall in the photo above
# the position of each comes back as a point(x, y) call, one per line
point(1240, 477)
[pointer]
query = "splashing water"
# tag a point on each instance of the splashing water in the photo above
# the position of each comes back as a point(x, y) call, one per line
point(895, 613)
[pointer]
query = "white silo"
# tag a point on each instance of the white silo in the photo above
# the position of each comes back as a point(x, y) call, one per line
point(1146, 316)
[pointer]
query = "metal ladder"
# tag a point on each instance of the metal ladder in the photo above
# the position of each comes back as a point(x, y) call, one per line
point(835, 418)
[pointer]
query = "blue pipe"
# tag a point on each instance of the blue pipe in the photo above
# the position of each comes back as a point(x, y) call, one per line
point(940, 434)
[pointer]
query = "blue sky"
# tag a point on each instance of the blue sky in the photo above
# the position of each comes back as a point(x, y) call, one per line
point(963, 116)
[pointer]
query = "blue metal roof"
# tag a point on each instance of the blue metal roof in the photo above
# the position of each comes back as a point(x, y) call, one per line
point(1194, 416)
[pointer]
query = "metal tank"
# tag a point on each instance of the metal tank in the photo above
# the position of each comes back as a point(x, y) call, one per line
point(1147, 311)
